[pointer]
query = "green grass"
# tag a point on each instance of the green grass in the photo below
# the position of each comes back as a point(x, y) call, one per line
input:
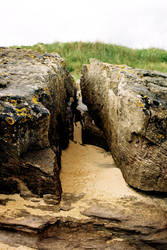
point(78, 53)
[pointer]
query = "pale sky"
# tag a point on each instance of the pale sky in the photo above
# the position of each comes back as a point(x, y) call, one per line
point(132, 23)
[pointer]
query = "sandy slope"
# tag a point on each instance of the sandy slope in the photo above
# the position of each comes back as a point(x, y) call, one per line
point(91, 170)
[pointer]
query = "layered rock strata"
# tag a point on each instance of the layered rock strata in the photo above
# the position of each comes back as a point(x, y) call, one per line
point(129, 105)
point(123, 223)
point(36, 90)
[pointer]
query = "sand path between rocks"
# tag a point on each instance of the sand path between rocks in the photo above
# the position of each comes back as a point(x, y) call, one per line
point(91, 170)
point(89, 179)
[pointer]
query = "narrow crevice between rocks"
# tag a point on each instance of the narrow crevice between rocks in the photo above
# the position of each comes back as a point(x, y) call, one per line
point(97, 209)
point(90, 133)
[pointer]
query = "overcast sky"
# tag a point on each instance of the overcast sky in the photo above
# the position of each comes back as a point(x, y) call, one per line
point(133, 23)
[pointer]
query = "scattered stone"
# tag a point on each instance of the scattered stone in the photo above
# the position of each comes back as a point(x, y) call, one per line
point(129, 105)
point(35, 200)
point(4, 201)
point(51, 199)
point(65, 207)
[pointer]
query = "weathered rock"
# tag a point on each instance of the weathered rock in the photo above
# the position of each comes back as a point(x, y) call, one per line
point(98, 210)
point(122, 223)
point(91, 134)
point(140, 218)
point(35, 90)
point(129, 105)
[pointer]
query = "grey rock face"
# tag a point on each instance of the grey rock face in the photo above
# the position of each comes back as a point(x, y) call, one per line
point(91, 134)
point(35, 90)
point(129, 105)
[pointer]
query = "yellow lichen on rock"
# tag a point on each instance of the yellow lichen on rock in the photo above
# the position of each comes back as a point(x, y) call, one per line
point(47, 91)
point(160, 136)
point(24, 112)
point(31, 56)
point(131, 71)
point(35, 99)
point(140, 104)
point(4, 74)
point(122, 66)
point(13, 102)
point(63, 63)
point(106, 67)
point(10, 120)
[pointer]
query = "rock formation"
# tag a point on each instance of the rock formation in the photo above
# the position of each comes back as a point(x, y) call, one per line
point(81, 223)
point(37, 96)
point(91, 134)
point(34, 95)
point(129, 105)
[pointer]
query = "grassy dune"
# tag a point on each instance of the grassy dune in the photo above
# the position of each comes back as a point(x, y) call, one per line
point(78, 53)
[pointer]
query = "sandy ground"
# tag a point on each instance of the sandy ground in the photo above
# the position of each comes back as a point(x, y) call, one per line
point(91, 170)
point(7, 247)
point(88, 175)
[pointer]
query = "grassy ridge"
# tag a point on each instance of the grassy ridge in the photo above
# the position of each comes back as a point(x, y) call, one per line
point(78, 53)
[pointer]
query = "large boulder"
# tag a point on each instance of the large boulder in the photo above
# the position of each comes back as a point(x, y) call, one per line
point(35, 91)
point(130, 106)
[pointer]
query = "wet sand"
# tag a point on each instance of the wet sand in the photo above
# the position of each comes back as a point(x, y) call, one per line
point(91, 170)
point(89, 178)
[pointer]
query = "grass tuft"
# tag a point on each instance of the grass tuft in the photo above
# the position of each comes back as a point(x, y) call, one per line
point(78, 53)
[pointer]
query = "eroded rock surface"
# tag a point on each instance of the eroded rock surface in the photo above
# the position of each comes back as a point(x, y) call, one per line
point(129, 105)
point(98, 210)
point(34, 95)
point(91, 134)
